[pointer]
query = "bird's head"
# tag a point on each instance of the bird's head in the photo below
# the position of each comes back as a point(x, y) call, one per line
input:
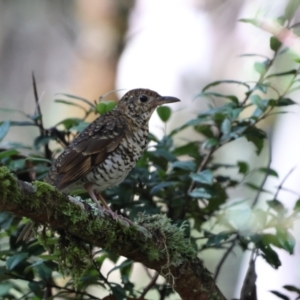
point(140, 103)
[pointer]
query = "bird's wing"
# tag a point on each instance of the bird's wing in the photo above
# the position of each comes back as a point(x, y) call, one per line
point(87, 150)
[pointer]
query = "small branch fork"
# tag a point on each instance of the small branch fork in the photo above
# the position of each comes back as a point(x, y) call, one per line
point(39, 120)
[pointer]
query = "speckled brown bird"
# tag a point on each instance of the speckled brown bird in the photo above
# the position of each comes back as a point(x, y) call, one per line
point(102, 155)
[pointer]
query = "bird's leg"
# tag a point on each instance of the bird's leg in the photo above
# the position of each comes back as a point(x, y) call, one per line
point(89, 189)
point(98, 195)
point(112, 213)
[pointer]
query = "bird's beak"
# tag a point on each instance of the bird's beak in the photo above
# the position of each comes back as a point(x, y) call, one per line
point(164, 100)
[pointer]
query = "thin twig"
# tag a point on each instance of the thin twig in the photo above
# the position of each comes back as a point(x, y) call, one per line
point(147, 272)
point(265, 178)
point(261, 78)
point(291, 83)
point(283, 181)
point(149, 286)
point(202, 166)
point(53, 285)
point(163, 292)
point(39, 121)
point(100, 274)
point(220, 264)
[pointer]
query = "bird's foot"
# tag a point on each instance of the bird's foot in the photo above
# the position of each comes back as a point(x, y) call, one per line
point(118, 217)
point(111, 213)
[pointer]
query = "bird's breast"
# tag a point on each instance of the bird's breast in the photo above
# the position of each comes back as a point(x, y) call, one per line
point(114, 169)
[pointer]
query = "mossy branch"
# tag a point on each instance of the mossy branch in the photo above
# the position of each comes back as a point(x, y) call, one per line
point(152, 241)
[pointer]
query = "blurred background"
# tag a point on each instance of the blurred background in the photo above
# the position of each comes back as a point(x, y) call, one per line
point(176, 47)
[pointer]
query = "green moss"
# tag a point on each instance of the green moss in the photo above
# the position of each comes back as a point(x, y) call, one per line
point(74, 256)
point(43, 188)
point(174, 245)
point(8, 185)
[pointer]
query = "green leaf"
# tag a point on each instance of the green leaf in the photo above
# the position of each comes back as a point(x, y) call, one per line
point(297, 206)
point(256, 187)
point(22, 123)
point(163, 153)
point(275, 44)
point(234, 113)
point(256, 100)
point(4, 128)
point(291, 72)
point(280, 295)
point(70, 103)
point(125, 263)
point(253, 54)
point(69, 122)
point(243, 167)
point(286, 240)
point(8, 153)
point(191, 149)
point(201, 193)
point(36, 288)
point(263, 87)
point(276, 205)
point(205, 130)
point(281, 20)
point(269, 255)
point(14, 260)
point(290, 91)
point(17, 164)
point(161, 186)
point(257, 114)
point(78, 98)
point(39, 159)
point(226, 126)
point(205, 177)
point(209, 143)
point(285, 102)
point(224, 110)
point(118, 291)
point(79, 127)
point(255, 136)
point(41, 141)
point(164, 112)
point(44, 271)
point(105, 107)
point(184, 165)
point(5, 287)
point(6, 220)
point(216, 239)
point(268, 171)
point(261, 67)
point(11, 110)
point(292, 288)
point(224, 81)
point(232, 98)
point(251, 21)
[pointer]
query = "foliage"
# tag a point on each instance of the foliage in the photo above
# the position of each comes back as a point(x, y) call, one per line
point(181, 180)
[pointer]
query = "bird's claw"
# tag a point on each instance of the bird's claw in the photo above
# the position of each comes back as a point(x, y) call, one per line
point(117, 217)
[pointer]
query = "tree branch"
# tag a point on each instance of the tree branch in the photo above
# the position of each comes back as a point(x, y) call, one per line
point(153, 241)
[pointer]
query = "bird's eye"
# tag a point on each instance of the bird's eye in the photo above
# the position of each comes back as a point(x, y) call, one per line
point(143, 98)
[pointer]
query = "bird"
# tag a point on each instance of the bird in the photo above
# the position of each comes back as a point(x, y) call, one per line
point(102, 155)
